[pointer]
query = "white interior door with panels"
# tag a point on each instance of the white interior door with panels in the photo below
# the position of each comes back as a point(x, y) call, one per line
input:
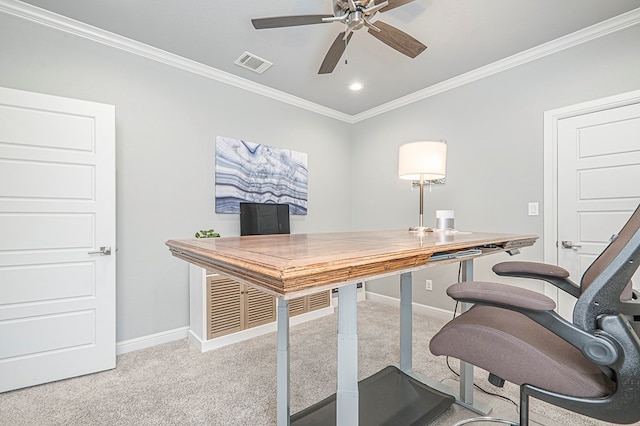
point(57, 222)
point(597, 182)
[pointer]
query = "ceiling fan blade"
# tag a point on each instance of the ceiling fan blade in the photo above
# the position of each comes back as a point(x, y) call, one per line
point(334, 54)
point(398, 40)
point(393, 4)
point(288, 21)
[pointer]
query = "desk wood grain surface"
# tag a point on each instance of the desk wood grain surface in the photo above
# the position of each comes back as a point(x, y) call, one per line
point(293, 264)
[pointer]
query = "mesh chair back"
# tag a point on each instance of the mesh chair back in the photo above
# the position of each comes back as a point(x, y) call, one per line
point(612, 250)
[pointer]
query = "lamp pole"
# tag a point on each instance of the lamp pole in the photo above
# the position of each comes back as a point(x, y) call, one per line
point(421, 225)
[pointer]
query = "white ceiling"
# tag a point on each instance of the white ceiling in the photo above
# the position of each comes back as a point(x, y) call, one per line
point(461, 35)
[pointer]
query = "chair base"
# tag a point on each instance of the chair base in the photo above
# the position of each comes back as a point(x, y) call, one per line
point(486, 419)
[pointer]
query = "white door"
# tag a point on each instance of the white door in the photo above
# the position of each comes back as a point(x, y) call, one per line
point(57, 206)
point(598, 182)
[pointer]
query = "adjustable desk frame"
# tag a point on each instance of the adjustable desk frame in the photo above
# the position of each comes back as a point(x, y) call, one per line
point(241, 264)
point(347, 380)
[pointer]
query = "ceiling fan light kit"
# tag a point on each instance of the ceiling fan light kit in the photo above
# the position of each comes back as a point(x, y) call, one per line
point(355, 15)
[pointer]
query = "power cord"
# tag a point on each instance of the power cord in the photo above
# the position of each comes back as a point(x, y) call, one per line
point(455, 310)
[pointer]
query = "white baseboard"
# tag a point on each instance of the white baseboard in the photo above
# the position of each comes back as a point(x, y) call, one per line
point(310, 316)
point(229, 339)
point(218, 342)
point(204, 346)
point(151, 340)
point(438, 313)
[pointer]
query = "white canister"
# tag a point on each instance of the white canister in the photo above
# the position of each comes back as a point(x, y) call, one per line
point(444, 219)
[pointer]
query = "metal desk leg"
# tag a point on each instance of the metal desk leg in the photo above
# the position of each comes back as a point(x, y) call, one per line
point(282, 373)
point(466, 370)
point(347, 393)
point(406, 323)
point(464, 394)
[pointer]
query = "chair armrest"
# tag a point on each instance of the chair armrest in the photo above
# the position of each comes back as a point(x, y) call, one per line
point(539, 308)
point(553, 274)
point(500, 295)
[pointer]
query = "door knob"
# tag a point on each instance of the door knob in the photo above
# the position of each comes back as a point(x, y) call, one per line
point(104, 251)
point(570, 245)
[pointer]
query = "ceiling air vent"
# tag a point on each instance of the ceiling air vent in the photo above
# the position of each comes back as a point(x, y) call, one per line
point(253, 62)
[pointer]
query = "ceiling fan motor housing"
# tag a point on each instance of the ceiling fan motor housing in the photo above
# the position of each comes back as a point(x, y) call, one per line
point(356, 20)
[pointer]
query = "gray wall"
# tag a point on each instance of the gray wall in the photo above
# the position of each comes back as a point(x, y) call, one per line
point(166, 124)
point(167, 121)
point(494, 131)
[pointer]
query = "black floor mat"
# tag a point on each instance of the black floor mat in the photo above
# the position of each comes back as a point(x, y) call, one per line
point(389, 397)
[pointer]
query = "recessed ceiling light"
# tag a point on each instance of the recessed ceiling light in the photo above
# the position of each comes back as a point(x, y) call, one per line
point(355, 86)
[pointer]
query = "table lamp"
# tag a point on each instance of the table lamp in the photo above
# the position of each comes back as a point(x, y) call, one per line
point(425, 161)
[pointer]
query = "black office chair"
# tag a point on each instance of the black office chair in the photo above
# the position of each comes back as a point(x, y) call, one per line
point(589, 366)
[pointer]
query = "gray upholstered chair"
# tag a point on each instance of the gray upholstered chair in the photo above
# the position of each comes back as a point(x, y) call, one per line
point(589, 366)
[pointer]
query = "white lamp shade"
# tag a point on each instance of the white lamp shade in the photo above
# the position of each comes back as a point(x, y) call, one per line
point(428, 158)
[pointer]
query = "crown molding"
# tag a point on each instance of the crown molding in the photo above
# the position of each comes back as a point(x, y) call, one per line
point(584, 35)
point(71, 26)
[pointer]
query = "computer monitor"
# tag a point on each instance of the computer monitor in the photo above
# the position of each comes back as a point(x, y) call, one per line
point(264, 218)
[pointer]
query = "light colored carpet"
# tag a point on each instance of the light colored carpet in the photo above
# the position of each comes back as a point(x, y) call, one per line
point(175, 384)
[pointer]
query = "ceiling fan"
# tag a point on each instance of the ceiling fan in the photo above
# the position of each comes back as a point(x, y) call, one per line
point(354, 14)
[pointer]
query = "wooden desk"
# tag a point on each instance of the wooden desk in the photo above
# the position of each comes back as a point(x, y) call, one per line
point(293, 265)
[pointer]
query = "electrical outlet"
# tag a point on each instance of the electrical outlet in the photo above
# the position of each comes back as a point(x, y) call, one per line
point(428, 285)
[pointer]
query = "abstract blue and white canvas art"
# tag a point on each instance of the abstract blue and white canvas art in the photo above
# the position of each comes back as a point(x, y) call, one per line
point(256, 173)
